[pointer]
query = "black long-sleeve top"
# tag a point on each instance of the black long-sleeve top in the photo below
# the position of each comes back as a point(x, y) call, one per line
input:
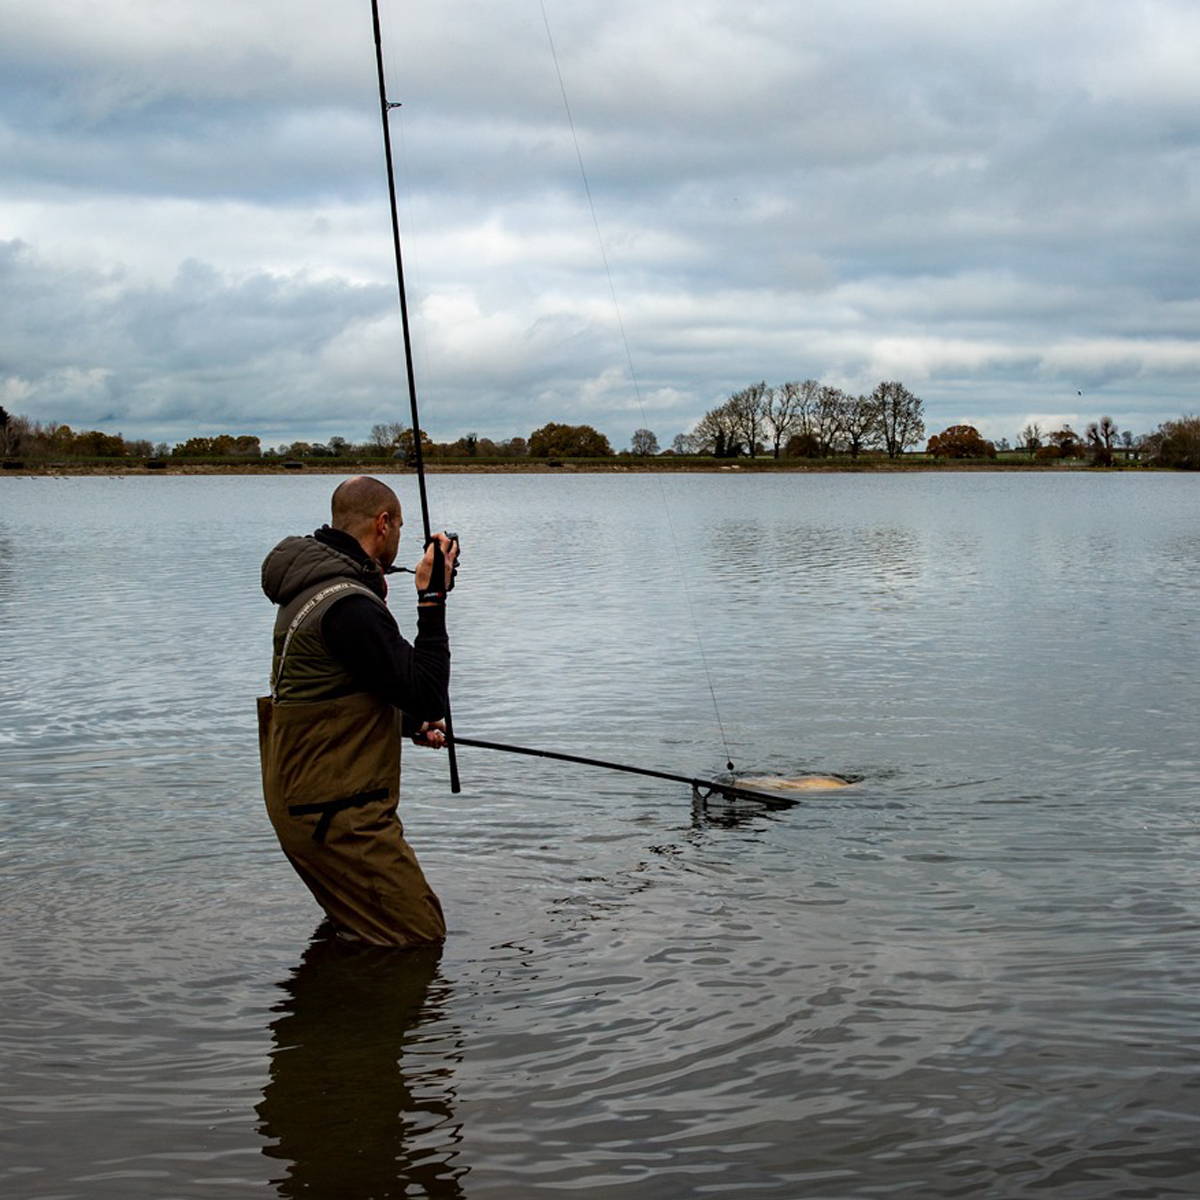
point(365, 639)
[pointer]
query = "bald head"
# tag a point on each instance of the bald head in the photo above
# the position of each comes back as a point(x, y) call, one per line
point(357, 502)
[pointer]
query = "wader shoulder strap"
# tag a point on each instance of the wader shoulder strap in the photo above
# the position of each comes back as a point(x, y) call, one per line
point(306, 610)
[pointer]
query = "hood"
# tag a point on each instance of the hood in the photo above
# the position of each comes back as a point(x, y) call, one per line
point(300, 563)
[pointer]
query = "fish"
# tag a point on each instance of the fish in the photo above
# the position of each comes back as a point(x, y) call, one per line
point(801, 783)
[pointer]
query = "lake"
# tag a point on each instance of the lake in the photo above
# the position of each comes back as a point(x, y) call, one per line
point(974, 973)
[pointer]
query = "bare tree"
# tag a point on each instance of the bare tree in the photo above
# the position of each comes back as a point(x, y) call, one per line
point(1031, 438)
point(644, 442)
point(782, 413)
point(10, 438)
point(733, 427)
point(386, 437)
point(809, 390)
point(899, 413)
point(828, 413)
point(746, 413)
point(859, 422)
point(1101, 435)
point(715, 433)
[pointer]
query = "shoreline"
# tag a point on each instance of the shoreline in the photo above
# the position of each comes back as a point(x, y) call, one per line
point(553, 467)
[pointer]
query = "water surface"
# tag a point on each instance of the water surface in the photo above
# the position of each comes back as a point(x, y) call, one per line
point(973, 974)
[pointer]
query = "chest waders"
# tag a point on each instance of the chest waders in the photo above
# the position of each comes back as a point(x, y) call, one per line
point(331, 780)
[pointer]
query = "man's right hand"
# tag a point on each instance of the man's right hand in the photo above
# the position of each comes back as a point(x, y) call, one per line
point(432, 734)
point(434, 574)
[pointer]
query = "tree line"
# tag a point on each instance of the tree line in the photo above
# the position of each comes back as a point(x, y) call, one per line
point(394, 439)
point(1101, 443)
point(793, 420)
point(808, 420)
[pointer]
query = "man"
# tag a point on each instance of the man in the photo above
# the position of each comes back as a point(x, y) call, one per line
point(345, 686)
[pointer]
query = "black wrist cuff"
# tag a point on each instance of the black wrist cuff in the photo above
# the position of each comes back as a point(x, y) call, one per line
point(435, 593)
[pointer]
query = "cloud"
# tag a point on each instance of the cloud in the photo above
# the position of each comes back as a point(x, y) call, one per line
point(996, 204)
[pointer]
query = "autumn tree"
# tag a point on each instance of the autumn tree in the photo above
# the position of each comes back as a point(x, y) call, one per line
point(470, 445)
point(960, 441)
point(899, 416)
point(93, 443)
point(406, 448)
point(1175, 444)
point(568, 441)
point(1066, 442)
point(221, 446)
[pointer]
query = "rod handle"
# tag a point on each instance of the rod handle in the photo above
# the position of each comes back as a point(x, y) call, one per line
point(455, 784)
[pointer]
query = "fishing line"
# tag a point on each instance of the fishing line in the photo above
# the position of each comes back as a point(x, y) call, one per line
point(637, 390)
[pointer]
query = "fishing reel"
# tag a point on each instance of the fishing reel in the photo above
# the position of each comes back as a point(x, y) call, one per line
point(439, 554)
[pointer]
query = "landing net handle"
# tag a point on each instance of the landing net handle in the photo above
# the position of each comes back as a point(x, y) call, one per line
point(703, 788)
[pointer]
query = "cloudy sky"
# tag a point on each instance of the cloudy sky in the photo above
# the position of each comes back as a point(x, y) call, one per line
point(997, 204)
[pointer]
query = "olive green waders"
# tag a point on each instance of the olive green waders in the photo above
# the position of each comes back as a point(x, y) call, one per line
point(331, 779)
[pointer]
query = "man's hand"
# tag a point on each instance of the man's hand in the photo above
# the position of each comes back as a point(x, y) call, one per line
point(432, 734)
point(435, 572)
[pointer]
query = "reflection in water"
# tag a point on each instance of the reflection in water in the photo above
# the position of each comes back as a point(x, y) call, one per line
point(716, 812)
point(8, 556)
point(886, 559)
point(356, 1105)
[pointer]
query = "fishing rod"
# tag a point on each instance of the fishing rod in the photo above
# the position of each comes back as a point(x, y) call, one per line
point(701, 788)
point(385, 107)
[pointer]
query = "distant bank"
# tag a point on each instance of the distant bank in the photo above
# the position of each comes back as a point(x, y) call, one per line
point(618, 465)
